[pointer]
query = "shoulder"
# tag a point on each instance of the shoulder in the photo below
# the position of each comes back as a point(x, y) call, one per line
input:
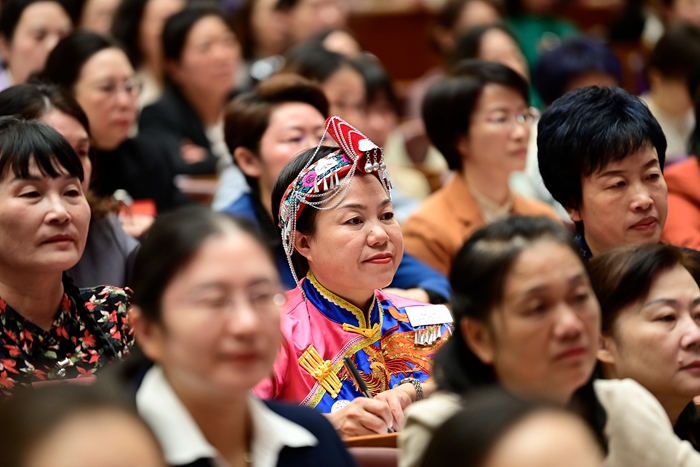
point(683, 176)
point(532, 207)
point(397, 301)
point(106, 300)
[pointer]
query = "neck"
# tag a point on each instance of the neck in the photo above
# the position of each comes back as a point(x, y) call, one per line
point(224, 421)
point(155, 69)
point(208, 106)
point(358, 298)
point(592, 245)
point(673, 405)
point(666, 106)
point(34, 296)
point(491, 184)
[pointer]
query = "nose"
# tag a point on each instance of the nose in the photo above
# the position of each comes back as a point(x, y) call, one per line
point(569, 325)
point(377, 235)
point(641, 199)
point(242, 318)
point(521, 131)
point(691, 334)
point(57, 211)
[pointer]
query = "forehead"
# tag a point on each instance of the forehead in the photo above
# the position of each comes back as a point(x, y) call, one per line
point(496, 96)
point(640, 160)
point(294, 114)
point(65, 124)
point(207, 27)
point(107, 63)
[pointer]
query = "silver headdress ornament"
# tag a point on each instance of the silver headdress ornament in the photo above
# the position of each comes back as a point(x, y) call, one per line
point(324, 184)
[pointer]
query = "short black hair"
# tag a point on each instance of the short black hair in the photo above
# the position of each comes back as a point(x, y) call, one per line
point(177, 28)
point(315, 62)
point(378, 83)
point(12, 12)
point(479, 274)
point(469, 44)
point(66, 60)
point(169, 246)
point(677, 54)
point(24, 141)
point(587, 129)
point(575, 57)
point(624, 274)
point(126, 27)
point(306, 221)
point(448, 105)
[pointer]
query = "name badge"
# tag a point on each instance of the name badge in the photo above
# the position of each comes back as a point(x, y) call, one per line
point(428, 315)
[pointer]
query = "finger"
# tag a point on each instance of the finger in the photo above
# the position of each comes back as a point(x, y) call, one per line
point(374, 415)
point(396, 412)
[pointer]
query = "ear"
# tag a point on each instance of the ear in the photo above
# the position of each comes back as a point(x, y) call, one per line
point(149, 335)
point(172, 68)
point(607, 350)
point(478, 339)
point(302, 245)
point(574, 214)
point(463, 146)
point(4, 48)
point(248, 162)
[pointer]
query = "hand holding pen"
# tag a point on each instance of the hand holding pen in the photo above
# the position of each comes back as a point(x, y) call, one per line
point(357, 377)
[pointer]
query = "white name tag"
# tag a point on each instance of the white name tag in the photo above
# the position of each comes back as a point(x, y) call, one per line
point(428, 314)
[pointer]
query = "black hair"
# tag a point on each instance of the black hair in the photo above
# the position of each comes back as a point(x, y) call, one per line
point(378, 83)
point(66, 60)
point(575, 57)
point(23, 141)
point(169, 246)
point(32, 415)
point(316, 63)
point(469, 436)
point(623, 275)
point(572, 145)
point(126, 27)
point(12, 12)
point(306, 222)
point(469, 43)
point(677, 53)
point(177, 28)
point(479, 274)
point(247, 117)
point(448, 105)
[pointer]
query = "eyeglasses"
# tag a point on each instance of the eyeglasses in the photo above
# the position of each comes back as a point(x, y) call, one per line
point(215, 303)
point(111, 88)
point(510, 121)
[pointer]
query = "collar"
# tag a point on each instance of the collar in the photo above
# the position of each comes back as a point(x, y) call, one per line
point(339, 309)
point(184, 443)
point(583, 247)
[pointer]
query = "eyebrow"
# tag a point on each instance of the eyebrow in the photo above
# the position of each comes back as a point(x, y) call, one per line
point(668, 301)
point(34, 178)
point(362, 206)
point(541, 288)
point(612, 173)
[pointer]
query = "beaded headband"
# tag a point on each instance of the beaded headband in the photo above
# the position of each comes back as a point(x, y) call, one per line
point(325, 183)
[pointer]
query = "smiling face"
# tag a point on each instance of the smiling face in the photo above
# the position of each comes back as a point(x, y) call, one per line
point(623, 203)
point(656, 341)
point(40, 27)
point(496, 143)
point(357, 246)
point(43, 221)
point(105, 90)
point(220, 329)
point(542, 338)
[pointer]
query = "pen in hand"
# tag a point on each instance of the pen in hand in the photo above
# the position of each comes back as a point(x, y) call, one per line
point(359, 381)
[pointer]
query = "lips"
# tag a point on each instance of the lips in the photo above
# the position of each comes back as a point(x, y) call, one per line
point(59, 239)
point(648, 223)
point(380, 258)
point(693, 365)
point(572, 352)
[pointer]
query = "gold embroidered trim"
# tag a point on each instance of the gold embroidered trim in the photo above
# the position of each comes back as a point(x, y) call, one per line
point(341, 302)
point(321, 370)
point(367, 332)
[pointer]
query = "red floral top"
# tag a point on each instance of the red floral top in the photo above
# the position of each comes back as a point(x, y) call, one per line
point(84, 337)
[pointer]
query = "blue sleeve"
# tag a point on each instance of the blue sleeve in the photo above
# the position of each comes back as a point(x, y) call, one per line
point(414, 273)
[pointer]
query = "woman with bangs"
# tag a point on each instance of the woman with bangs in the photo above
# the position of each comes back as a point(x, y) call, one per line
point(50, 328)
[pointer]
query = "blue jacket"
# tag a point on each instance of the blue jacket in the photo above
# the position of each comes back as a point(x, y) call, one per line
point(411, 272)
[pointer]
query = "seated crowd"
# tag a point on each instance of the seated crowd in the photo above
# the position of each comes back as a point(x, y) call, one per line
point(523, 291)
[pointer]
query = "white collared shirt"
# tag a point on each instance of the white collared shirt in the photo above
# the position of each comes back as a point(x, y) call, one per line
point(182, 440)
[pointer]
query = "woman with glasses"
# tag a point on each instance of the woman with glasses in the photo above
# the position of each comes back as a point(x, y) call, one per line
point(212, 332)
point(97, 73)
point(201, 56)
point(479, 120)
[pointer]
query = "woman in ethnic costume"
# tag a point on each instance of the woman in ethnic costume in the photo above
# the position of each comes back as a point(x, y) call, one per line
point(49, 329)
point(340, 236)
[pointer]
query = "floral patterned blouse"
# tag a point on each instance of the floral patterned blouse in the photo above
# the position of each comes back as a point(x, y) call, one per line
point(90, 330)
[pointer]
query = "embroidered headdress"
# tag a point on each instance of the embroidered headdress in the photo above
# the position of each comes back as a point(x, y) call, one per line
point(324, 184)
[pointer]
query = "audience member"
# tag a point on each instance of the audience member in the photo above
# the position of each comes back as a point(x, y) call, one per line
point(265, 129)
point(213, 332)
point(97, 72)
point(527, 319)
point(109, 250)
point(50, 328)
point(201, 60)
point(138, 26)
point(29, 30)
point(340, 237)
point(494, 429)
point(493, 43)
point(683, 222)
point(611, 182)
point(673, 60)
point(479, 120)
point(338, 40)
point(306, 18)
point(93, 15)
point(77, 426)
point(650, 305)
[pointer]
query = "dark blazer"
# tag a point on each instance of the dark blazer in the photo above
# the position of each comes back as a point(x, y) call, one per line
point(172, 117)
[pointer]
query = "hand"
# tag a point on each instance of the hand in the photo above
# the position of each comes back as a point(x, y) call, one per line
point(136, 224)
point(415, 293)
point(398, 399)
point(191, 153)
point(362, 416)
